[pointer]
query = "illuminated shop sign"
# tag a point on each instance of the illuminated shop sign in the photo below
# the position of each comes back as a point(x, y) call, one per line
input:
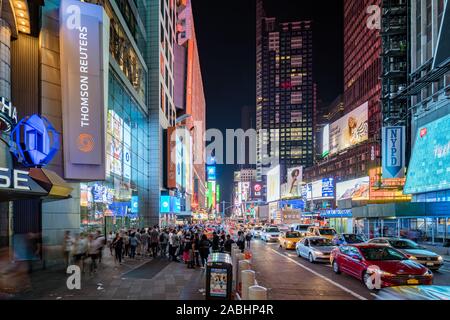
point(134, 204)
point(84, 47)
point(34, 141)
point(8, 115)
point(347, 213)
point(393, 152)
point(429, 168)
point(165, 204)
point(211, 173)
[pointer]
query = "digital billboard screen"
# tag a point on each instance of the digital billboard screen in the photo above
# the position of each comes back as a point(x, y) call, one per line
point(273, 184)
point(211, 173)
point(429, 168)
point(356, 189)
point(350, 130)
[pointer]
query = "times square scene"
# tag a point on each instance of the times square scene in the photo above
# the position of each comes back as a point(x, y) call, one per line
point(233, 151)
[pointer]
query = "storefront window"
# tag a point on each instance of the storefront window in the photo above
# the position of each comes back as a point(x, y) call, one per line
point(119, 201)
point(390, 228)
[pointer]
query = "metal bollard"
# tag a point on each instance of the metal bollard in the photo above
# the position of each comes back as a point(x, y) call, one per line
point(257, 293)
point(247, 280)
point(243, 265)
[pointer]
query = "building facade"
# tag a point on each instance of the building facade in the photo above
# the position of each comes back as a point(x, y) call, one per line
point(285, 95)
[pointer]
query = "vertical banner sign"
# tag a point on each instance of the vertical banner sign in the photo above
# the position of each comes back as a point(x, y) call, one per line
point(171, 158)
point(393, 152)
point(84, 46)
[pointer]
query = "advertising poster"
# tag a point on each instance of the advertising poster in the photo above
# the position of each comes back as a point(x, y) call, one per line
point(429, 168)
point(126, 152)
point(273, 184)
point(356, 189)
point(245, 191)
point(294, 178)
point(326, 141)
point(257, 191)
point(211, 173)
point(218, 283)
point(351, 129)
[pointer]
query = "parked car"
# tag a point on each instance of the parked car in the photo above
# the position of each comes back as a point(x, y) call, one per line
point(270, 234)
point(302, 228)
point(315, 249)
point(413, 251)
point(289, 239)
point(363, 260)
point(256, 232)
point(415, 293)
point(348, 238)
point(326, 232)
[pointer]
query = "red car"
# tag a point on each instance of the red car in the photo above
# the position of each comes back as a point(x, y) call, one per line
point(364, 260)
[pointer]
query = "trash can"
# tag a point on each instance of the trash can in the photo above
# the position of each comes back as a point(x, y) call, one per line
point(219, 277)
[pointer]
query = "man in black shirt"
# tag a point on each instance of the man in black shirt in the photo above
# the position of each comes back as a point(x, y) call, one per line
point(227, 244)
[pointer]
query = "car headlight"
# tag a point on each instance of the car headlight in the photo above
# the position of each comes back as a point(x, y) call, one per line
point(412, 257)
point(428, 273)
point(440, 259)
point(318, 253)
point(386, 274)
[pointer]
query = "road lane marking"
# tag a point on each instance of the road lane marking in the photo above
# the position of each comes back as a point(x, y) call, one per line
point(321, 276)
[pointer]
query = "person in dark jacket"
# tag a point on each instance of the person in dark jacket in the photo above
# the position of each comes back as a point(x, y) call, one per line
point(204, 246)
point(215, 242)
point(227, 244)
point(118, 244)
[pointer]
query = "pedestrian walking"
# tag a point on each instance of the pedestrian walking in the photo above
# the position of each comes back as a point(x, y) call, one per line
point(196, 249)
point(215, 242)
point(241, 241)
point(110, 239)
point(126, 243)
point(228, 244)
point(118, 245)
point(134, 242)
point(67, 247)
point(154, 241)
point(163, 241)
point(144, 242)
point(248, 238)
point(204, 247)
point(80, 250)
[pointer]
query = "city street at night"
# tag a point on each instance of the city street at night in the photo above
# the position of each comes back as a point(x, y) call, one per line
point(225, 158)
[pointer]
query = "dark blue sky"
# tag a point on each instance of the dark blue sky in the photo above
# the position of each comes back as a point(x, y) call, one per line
point(226, 39)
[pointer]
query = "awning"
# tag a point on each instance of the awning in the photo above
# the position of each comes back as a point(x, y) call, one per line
point(55, 186)
point(403, 210)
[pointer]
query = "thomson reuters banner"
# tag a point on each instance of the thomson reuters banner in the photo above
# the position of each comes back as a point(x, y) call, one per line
point(84, 43)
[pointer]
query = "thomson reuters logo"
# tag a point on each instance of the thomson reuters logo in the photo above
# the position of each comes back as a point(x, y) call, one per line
point(85, 142)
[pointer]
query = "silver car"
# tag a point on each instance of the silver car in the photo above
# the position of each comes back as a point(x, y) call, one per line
point(413, 251)
point(315, 249)
point(270, 234)
point(256, 232)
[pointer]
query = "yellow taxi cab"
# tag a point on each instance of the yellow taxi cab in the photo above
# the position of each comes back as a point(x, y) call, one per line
point(326, 232)
point(289, 239)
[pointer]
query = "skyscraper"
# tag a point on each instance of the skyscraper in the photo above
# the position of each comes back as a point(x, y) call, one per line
point(285, 95)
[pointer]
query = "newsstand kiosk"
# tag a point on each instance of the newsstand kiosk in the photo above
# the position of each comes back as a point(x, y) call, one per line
point(219, 277)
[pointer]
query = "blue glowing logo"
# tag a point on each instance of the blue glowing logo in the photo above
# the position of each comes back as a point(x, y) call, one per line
point(34, 141)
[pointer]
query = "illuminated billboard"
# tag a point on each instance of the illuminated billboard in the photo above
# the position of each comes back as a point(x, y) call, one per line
point(356, 189)
point(211, 173)
point(84, 59)
point(326, 141)
point(320, 189)
point(273, 184)
point(429, 168)
point(350, 130)
point(294, 179)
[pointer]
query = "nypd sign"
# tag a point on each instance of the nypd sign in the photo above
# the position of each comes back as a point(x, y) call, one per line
point(393, 152)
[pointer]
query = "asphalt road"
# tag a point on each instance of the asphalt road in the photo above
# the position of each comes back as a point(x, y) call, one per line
point(289, 277)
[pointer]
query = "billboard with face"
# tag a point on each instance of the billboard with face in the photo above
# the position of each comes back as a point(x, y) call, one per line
point(294, 179)
point(350, 130)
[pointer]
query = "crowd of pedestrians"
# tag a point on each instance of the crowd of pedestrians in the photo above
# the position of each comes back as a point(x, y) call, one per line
point(189, 243)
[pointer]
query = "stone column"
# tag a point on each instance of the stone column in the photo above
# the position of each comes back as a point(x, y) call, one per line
point(5, 60)
point(5, 91)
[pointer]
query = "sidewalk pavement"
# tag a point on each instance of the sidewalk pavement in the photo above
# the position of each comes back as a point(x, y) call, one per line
point(136, 279)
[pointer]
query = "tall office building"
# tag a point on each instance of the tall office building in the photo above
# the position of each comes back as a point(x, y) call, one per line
point(285, 95)
point(353, 156)
point(161, 16)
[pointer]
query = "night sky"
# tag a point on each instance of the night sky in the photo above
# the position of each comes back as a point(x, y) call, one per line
point(226, 40)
